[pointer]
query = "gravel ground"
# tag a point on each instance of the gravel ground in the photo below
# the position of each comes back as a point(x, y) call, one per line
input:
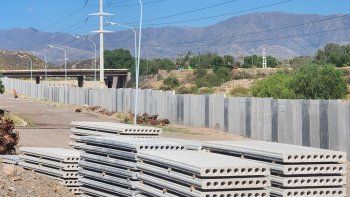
point(15, 181)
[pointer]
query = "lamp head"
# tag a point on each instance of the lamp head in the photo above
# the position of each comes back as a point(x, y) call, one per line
point(111, 23)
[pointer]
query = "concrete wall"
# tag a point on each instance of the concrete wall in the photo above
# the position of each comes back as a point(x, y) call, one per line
point(316, 123)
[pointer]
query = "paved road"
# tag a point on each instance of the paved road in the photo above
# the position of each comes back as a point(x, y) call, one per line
point(51, 124)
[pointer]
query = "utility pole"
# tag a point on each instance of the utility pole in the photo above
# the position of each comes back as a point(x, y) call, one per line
point(264, 64)
point(101, 31)
point(252, 58)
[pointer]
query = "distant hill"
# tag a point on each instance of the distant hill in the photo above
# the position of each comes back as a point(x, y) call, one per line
point(238, 30)
point(11, 60)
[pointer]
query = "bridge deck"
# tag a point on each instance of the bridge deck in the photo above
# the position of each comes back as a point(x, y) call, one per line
point(61, 72)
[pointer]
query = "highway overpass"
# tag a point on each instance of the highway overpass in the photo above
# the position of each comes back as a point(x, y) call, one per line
point(114, 78)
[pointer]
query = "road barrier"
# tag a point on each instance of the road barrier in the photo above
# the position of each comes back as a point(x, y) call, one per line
point(315, 123)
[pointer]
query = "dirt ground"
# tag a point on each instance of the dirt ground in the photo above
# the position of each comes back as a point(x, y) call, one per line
point(50, 123)
point(50, 127)
point(15, 181)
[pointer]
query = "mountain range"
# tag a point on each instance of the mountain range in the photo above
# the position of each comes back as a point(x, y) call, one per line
point(285, 35)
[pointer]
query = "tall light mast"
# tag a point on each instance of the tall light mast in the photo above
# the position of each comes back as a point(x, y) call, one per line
point(101, 31)
point(264, 63)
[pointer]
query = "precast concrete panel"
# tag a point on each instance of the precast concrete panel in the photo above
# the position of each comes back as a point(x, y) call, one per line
point(333, 123)
point(216, 111)
point(344, 126)
point(236, 115)
point(314, 123)
point(187, 110)
point(305, 104)
point(254, 118)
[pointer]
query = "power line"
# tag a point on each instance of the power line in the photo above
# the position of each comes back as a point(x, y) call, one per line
point(187, 12)
point(259, 40)
point(145, 3)
point(109, 3)
point(65, 17)
point(243, 42)
point(268, 30)
point(216, 16)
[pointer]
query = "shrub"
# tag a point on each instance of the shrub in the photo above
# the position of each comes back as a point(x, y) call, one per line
point(187, 90)
point(206, 90)
point(165, 87)
point(224, 74)
point(239, 91)
point(310, 81)
point(172, 82)
point(200, 72)
point(276, 86)
point(210, 80)
point(319, 82)
point(159, 77)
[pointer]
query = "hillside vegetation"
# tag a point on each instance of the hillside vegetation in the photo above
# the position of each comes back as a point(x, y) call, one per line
point(11, 60)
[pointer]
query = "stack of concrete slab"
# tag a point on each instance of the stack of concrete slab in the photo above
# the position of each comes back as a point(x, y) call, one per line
point(110, 129)
point(9, 159)
point(295, 170)
point(197, 173)
point(108, 164)
point(57, 163)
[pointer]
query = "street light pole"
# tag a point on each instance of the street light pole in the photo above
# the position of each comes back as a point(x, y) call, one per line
point(94, 43)
point(138, 65)
point(65, 64)
point(31, 66)
point(136, 61)
point(45, 61)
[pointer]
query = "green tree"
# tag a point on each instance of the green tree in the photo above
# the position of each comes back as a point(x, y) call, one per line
point(119, 59)
point(228, 60)
point(334, 54)
point(271, 62)
point(251, 61)
point(275, 86)
point(312, 81)
point(224, 74)
point(256, 61)
point(217, 62)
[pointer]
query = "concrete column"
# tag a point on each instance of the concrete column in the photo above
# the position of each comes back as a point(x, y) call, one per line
point(109, 81)
point(115, 82)
point(81, 81)
point(37, 80)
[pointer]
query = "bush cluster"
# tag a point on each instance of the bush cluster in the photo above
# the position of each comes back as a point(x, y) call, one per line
point(310, 81)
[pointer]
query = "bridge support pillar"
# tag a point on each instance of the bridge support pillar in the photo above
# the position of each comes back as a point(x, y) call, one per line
point(37, 80)
point(81, 80)
point(115, 82)
point(109, 81)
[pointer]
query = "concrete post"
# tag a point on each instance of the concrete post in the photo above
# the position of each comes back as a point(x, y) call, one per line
point(37, 80)
point(81, 81)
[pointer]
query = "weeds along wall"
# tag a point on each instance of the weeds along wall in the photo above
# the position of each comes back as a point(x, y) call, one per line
point(316, 123)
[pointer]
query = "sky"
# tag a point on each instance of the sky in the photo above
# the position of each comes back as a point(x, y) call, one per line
point(69, 16)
